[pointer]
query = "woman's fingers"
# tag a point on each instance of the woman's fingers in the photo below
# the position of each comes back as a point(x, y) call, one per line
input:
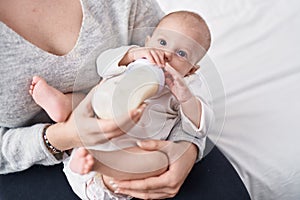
point(151, 183)
point(153, 145)
point(150, 188)
point(145, 194)
point(127, 121)
point(173, 150)
point(92, 130)
point(116, 127)
point(136, 114)
point(108, 129)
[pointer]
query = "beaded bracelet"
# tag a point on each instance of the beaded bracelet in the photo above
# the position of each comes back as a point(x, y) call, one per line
point(51, 148)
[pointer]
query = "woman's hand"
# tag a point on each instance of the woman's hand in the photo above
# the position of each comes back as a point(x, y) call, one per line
point(182, 157)
point(83, 129)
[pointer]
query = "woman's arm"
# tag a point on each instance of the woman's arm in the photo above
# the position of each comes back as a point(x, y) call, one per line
point(83, 129)
point(23, 147)
point(182, 155)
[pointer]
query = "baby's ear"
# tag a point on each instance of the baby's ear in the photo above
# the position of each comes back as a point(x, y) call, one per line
point(194, 69)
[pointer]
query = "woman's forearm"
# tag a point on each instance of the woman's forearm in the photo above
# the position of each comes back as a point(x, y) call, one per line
point(63, 137)
point(22, 148)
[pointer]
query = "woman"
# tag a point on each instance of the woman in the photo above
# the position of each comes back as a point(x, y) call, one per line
point(55, 41)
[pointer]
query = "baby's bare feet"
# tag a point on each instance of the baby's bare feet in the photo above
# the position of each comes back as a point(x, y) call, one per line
point(50, 99)
point(82, 161)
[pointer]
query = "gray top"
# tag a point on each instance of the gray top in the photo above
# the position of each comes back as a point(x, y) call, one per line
point(106, 24)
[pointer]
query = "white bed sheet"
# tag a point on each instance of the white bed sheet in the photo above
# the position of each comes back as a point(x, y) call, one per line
point(255, 49)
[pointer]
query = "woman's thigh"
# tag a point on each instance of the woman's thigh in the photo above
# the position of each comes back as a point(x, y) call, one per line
point(213, 178)
point(36, 183)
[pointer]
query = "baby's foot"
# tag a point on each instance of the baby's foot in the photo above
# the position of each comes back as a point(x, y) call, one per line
point(50, 99)
point(82, 161)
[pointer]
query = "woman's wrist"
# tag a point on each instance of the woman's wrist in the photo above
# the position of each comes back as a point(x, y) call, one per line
point(49, 146)
point(193, 150)
point(190, 149)
point(60, 138)
point(58, 154)
point(106, 182)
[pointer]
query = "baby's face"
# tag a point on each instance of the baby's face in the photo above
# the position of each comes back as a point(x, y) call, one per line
point(180, 43)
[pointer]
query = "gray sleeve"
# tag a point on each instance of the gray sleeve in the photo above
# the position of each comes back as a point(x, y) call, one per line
point(23, 147)
point(144, 18)
point(178, 134)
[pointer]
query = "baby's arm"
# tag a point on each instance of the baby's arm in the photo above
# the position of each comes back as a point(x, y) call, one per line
point(134, 53)
point(192, 109)
point(190, 104)
point(114, 61)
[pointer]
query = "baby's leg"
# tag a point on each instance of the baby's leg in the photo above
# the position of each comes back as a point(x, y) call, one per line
point(131, 163)
point(81, 162)
point(55, 103)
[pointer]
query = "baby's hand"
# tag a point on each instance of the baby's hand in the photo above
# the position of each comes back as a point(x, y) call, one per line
point(176, 84)
point(154, 55)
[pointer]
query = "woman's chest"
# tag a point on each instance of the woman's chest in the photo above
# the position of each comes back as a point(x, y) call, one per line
point(52, 26)
point(17, 105)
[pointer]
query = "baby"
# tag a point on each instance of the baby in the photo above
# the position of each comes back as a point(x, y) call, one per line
point(177, 44)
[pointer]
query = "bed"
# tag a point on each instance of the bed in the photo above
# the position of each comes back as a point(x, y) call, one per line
point(257, 98)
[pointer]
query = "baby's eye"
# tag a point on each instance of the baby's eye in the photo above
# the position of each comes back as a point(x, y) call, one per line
point(181, 53)
point(162, 42)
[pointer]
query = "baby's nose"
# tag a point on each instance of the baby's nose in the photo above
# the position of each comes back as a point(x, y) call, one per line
point(168, 56)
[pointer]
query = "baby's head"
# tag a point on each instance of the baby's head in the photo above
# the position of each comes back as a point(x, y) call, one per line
point(185, 37)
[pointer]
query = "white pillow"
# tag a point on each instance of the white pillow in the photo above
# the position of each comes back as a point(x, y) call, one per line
point(255, 49)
